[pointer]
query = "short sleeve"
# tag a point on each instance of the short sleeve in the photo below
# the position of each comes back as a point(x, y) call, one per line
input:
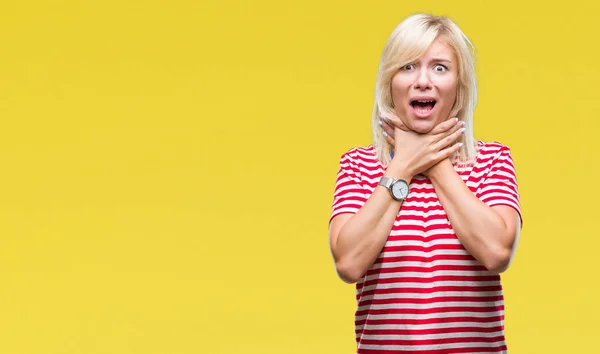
point(500, 186)
point(348, 195)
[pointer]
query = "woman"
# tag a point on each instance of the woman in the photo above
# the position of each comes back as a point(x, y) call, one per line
point(426, 218)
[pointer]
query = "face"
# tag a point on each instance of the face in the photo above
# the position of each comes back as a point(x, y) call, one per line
point(424, 91)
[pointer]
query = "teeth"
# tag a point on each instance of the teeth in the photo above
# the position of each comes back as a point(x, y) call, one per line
point(425, 101)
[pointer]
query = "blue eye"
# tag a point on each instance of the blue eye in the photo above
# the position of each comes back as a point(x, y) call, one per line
point(440, 68)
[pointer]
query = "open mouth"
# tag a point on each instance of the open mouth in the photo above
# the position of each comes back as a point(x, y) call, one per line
point(422, 107)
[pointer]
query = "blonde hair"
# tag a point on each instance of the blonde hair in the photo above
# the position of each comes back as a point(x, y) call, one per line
point(409, 41)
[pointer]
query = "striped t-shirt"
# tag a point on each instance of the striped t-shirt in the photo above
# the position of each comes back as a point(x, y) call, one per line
point(425, 293)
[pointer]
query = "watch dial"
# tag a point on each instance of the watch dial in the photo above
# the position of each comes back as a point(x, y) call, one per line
point(400, 190)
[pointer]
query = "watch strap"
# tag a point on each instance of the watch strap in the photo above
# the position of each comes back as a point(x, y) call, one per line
point(386, 182)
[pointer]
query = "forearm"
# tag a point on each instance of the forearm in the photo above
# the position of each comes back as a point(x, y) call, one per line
point(364, 235)
point(480, 229)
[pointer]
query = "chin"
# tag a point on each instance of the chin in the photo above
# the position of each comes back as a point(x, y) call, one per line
point(423, 126)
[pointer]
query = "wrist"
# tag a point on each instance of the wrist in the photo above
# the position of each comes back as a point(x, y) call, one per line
point(399, 170)
point(440, 169)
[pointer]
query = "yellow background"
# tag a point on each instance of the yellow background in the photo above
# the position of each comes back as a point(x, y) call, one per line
point(167, 169)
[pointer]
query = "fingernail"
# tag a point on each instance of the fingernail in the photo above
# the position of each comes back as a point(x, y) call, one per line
point(463, 123)
point(462, 130)
point(460, 144)
point(380, 123)
point(385, 134)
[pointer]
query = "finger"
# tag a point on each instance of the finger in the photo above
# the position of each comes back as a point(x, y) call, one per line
point(389, 138)
point(387, 132)
point(445, 126)
point(447, 152)
point(460, 125)
point(387, 122)
point(387, 128)
point(451, 138)
point(394, 122)
point(391, 141)
point(396, 125)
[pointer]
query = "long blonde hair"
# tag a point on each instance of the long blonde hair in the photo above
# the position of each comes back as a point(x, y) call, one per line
point(409, 41)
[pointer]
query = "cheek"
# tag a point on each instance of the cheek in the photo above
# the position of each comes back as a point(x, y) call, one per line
point(399, 93)
point(447, 87)
point(399, 86)
point(394, 89)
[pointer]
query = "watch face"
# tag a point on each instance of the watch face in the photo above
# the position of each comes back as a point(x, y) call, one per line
point(400, 189)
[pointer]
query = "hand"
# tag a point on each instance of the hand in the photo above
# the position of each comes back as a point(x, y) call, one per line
point(392, 122)
point(417, 153)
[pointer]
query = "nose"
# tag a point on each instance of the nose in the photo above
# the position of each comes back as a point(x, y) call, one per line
point(422, 81)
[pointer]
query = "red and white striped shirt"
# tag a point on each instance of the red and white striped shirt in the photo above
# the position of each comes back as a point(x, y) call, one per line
point(425, 293)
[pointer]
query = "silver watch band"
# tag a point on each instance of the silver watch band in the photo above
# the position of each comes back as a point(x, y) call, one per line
point(386, 182)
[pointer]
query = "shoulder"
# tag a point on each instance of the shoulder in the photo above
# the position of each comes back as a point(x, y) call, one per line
point(492, 150)
point(494, 154)
point(491, 147)
point(361, 154)
point(360, 160)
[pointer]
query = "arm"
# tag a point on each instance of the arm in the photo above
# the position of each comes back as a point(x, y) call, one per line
point(357, 239)
point(487, 232)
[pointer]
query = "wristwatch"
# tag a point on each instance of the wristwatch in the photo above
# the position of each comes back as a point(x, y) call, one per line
point(398, 187)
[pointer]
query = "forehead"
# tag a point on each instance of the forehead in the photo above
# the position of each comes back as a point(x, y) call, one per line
point(439, 49)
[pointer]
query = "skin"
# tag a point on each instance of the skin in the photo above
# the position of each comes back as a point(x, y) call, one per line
point(423, 146)
point(433, 75)
point(357, 239)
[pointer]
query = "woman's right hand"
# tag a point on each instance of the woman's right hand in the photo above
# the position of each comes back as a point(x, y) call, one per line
point(415, 153)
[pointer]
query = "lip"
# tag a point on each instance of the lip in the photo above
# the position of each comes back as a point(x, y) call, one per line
point(422, 98)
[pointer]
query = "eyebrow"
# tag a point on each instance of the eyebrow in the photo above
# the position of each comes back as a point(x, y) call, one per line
point(441, 59)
